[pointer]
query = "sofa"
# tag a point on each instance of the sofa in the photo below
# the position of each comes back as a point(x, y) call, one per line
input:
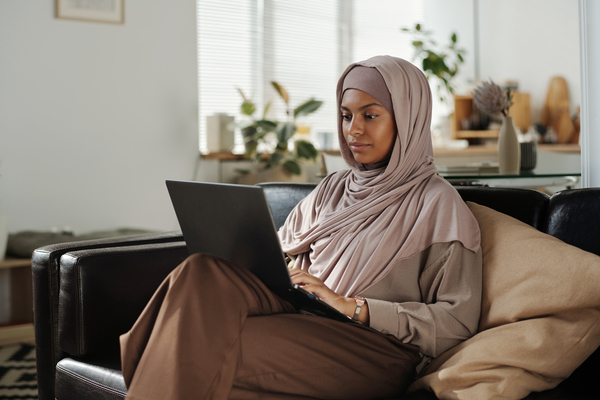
point(86, 294)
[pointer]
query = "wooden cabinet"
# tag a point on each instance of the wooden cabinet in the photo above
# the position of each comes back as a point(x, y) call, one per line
point(463, 108)
point(20, 329)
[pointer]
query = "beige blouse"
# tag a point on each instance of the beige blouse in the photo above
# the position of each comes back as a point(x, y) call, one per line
point(432, 299)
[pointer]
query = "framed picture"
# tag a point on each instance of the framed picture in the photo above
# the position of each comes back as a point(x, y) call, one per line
point(110, 11)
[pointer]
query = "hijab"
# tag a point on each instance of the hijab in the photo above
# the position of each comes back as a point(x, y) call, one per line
point(357, 224)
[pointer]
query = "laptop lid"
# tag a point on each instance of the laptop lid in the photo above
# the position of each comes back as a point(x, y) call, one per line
point(232, 222)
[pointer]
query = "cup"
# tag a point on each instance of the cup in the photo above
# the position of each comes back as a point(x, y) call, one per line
point(528, 155)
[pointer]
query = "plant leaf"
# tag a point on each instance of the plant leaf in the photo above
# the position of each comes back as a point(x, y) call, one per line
point(285, 131)
point(282, 92)
point(306, 108)
point(242, 93)
point(251, 149)
point(248, 108)
point(453, 37)
point(267, 125)
point(266, 110)
point(292, 167)
point(305, 149)
point(276, 158)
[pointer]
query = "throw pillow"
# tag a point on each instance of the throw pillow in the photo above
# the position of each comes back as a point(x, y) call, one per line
point(540, 316)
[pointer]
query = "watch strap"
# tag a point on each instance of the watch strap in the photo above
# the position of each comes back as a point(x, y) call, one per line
point(360, 301)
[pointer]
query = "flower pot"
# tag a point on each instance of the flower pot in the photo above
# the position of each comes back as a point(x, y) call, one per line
point(509, 150)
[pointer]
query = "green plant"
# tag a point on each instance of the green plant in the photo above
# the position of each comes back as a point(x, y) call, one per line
point(268, 140)
point(442, 63)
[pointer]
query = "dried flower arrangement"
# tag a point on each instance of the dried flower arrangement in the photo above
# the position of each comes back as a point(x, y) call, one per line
point(491, 99)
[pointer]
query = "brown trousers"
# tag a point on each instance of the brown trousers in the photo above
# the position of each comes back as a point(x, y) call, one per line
point(214, 331)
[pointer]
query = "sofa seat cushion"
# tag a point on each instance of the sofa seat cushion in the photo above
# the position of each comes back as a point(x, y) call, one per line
point(98, 380)
point(540, 316)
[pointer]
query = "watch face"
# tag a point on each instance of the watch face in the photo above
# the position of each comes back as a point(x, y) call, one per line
point(359, 300)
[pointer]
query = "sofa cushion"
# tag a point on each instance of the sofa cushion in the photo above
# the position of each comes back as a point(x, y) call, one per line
point(540, 316)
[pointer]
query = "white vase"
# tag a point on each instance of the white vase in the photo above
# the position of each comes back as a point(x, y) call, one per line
point(3, 235)
point(509, 150)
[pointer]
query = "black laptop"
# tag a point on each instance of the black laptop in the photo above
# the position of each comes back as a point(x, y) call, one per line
point(234, 222)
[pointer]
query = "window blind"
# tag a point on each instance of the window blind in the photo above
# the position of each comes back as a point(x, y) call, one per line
point(302, 45)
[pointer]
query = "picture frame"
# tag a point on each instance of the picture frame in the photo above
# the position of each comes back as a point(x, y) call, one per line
point(107, 11)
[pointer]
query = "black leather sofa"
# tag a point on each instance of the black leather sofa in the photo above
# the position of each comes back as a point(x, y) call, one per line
point(86, 294)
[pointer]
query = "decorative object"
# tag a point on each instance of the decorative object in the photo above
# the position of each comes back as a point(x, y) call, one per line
point(110, 11)
point(528, 155)
point(509, 150)
point(219, 133)
point(557, 111)
point(268, 140)
point(442, 63)
point(491, 99)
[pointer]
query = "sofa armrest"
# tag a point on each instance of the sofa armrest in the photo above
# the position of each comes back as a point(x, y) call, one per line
point(103, 291)
point(45, 269)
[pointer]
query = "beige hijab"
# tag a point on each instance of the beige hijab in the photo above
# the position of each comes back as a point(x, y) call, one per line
point(358, 223)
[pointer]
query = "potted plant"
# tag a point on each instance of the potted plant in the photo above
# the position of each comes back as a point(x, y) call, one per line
point(269, 141)
point(440, 62)
point(492, 100)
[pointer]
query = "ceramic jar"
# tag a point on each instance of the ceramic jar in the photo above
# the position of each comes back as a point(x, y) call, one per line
point(509, 150)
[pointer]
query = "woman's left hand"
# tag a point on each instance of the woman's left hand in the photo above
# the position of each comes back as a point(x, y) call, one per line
point(316, 286)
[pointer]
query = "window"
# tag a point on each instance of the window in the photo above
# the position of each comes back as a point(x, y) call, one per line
point(302, 45)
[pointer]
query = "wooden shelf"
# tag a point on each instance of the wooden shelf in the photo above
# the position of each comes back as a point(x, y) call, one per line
point(15, 263)
point(476, 134)
point(17, 333)
point(20, 329)
point(463, 107)
point(223, 156)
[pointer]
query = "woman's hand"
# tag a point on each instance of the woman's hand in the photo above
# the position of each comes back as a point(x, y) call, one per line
point(314, 285)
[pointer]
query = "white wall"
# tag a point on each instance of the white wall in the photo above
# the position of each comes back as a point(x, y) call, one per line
point(94, 117)
point(531, 41)
point(445, 17)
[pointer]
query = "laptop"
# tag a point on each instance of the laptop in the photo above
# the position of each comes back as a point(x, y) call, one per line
point(234, 222)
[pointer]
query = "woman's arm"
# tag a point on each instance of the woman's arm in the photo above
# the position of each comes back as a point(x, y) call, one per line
point(447, 309)
point(345, 305)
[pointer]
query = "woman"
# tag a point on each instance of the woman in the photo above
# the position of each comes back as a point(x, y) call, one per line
point(389, 243)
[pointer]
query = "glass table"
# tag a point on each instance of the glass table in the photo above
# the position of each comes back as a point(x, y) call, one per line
point(539, 177)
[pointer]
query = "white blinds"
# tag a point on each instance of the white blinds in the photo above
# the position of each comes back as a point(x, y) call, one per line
point(303, 45)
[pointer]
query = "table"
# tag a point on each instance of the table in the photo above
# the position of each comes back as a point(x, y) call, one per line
point(554, 168)
point(20, 329)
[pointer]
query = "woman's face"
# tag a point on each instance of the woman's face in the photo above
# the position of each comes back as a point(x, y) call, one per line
point(369, 129)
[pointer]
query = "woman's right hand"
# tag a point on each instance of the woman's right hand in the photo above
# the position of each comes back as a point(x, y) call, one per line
point(316, 286)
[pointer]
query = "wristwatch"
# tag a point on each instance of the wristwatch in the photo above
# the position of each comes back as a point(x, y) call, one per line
point(360, 301)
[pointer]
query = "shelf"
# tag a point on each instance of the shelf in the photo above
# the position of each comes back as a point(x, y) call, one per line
point(16, 333)
point(15, 263)
point(463, 107)
point(477, 134)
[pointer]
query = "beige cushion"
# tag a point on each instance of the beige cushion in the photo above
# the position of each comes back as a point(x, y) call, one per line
point(540, 316)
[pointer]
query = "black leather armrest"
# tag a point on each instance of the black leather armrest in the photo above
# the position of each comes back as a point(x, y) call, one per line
point(45, 269)
point(103, 291)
